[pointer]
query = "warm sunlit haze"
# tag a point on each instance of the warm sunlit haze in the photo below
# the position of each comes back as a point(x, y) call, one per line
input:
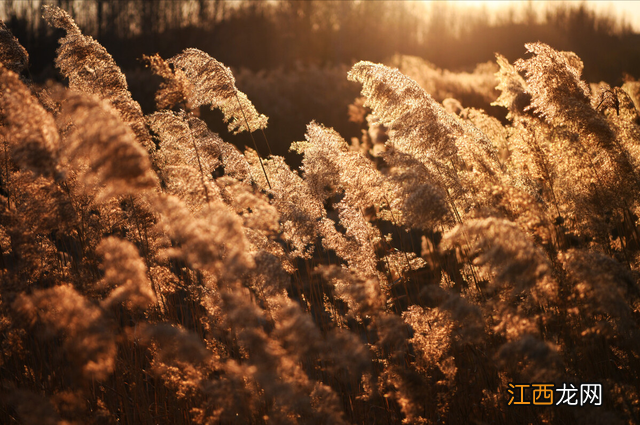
point(628, 11)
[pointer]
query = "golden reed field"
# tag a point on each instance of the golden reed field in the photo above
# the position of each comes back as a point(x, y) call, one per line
point(446, 267)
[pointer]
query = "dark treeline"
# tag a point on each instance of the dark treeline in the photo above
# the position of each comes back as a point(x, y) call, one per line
point(295, 54)
point(272, 34)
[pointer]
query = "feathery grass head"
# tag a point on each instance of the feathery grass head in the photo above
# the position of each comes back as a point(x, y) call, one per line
point(502, 245)
point(513, 89)
point(27, 128)
point(553, 80)
point(298, 206)
point(418, 124)
point(87, 339)
point(175, 89)
point(559, 95)
point(91, 69)
point(126, 273)
point(213, 84)
point(212, 240)
point(98, 139)
point(330, 168)
point(13, 56)
point(186, 141)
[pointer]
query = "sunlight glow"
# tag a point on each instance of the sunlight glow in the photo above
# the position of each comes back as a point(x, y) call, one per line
point(629, 11)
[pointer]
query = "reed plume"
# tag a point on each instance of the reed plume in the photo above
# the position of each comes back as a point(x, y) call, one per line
point(213, 84)
point(87, 338)
point(29, 132)
point(13, 56)
point(126, 273)
point(96, 134)
point(91, 69)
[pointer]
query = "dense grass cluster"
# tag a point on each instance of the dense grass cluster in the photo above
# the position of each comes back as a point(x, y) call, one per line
point(154, 274)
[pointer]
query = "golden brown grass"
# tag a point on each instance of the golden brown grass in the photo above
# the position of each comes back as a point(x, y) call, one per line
point(152, 273)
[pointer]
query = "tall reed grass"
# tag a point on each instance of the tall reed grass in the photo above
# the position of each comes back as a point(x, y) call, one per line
point(152, 273)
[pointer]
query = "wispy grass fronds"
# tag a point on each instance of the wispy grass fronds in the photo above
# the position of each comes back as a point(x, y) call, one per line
point(124, 273)
point(299, 208)
point(13, 56)
point(178, 357)
point(29, 132)
point(513, 88)
point(186, 163)
point(199, 284)
point(604, 287)
point(330, 168)
point(553, 81)
point(253, 206)
point(234, 164)
point(418, 124)
point(176, 88)
point(214, 85)
point(588, 157)
point(65, 312)
point(98, 136)
point(186, 140)
point(212, 240)
point(453, 151)
point(91, 69)
point(363, 296)
point(283, 380)
point(431, 339)
point(499, 243)
point(470, 88)
point(357, 245)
